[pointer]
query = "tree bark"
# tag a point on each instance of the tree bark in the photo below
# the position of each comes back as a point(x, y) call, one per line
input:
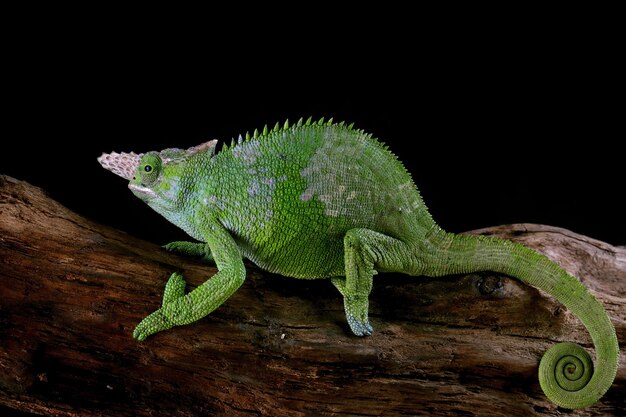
point(72, 291)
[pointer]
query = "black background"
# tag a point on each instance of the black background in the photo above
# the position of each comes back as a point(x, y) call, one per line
point(496, 127)
point(501, 115)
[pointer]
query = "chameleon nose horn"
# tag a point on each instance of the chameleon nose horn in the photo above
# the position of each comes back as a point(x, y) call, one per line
point(122, 164)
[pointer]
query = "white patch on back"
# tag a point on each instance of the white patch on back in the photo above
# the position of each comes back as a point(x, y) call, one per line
point(331, 174)
point(248, 152)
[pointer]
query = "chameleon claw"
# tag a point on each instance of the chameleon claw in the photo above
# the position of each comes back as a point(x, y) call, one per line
point(360, 328)
point(139, 335)
point(357, 315)
point(174, 289)
point(152, 324)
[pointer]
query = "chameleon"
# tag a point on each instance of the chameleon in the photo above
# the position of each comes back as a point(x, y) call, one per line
point(324, 200)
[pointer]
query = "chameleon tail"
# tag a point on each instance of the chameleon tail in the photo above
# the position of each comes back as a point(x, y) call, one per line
point(566, 372)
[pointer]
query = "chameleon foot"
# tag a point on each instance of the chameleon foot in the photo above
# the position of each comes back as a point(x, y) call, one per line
point(158, 321)
point(189, 249)
point(154, 323)
point(357, 315)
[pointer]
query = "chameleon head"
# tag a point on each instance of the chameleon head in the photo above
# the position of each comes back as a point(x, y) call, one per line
point(154, 176)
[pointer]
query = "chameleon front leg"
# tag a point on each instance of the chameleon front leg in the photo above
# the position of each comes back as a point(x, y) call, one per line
point(179, 309)
point(364, 252)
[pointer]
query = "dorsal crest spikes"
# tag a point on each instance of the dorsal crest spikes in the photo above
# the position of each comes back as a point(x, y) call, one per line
point(266, 131)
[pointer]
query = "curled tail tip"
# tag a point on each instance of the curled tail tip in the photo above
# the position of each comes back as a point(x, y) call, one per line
point(566, 376)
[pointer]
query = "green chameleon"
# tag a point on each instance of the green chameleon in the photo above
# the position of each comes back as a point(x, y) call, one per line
point(321, 200)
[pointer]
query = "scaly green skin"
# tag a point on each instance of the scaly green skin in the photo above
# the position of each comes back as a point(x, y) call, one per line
point(321, 200)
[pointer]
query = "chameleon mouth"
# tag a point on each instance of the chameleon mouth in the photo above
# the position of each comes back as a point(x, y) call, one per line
point(141, 191)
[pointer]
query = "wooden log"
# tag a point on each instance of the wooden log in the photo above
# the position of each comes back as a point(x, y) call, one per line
point(73, 290)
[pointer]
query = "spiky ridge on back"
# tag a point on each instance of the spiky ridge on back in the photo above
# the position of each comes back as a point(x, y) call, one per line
point(265, 132)
point(279, 128)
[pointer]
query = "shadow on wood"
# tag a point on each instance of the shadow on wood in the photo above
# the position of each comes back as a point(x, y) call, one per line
point(72, 292)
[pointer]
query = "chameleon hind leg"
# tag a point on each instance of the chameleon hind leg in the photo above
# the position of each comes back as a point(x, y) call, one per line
point(365, 252)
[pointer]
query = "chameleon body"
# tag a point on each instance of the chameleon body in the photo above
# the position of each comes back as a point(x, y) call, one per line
point(321, 200)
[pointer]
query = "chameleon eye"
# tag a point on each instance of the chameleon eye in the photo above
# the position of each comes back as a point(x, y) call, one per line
point(149, 168)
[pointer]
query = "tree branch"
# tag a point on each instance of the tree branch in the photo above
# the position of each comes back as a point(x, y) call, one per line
point(73, 290)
